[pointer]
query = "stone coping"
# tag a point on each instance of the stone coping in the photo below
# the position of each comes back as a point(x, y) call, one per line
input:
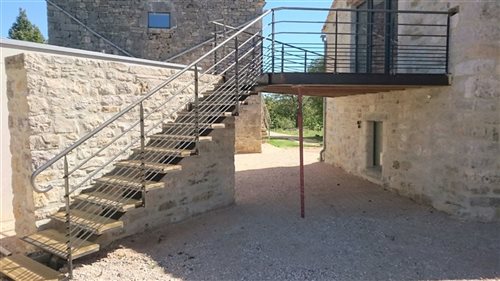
point(45, 48)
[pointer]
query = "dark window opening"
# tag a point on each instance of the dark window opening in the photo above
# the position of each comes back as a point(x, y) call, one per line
point(159, 20)
point(377, 144)
point(374, 36)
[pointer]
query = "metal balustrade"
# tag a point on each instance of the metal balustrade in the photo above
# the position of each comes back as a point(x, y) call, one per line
point(240, 55)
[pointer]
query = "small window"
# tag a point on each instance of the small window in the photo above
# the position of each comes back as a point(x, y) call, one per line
point(159, 20)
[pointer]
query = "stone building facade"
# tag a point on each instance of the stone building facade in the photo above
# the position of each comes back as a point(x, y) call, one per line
point(438, 145)
point(127, 24)
point(53, 100)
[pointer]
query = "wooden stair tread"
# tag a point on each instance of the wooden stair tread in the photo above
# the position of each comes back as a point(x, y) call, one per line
point(132, 183)
point(167, 151)
point(54, 242)
point(22, 268)
point(160, 167)
point(95, 223)
point(219, 103)
point(201, 125)
point(207, 113)
point(180, 137)
point(114, 202)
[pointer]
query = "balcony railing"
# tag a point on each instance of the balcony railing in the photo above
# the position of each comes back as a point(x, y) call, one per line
point(358, 41)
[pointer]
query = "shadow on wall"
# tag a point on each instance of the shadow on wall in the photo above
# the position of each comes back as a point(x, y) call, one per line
point(353, 230)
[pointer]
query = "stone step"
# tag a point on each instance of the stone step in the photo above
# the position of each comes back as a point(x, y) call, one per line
point(149, 166)
point(110, 200)
point(22, 268)
point(129, 183)
point(54, 242)
point(95, 223)
point(169, 152)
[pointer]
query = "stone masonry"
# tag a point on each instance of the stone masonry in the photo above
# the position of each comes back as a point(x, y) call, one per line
point(248, 126)
point(440, 144)
point(54, 100)
point(125, 23)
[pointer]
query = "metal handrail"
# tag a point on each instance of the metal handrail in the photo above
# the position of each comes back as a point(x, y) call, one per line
point(134, 104)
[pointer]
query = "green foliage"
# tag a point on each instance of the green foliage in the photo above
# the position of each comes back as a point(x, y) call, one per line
point(283, 108)
point(23, 29)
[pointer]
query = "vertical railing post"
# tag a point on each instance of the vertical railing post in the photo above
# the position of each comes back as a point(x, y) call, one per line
point(273, 41)
point(253, 65)
point(282, 58)
point(215, 46)
point(336, 39)
point(237, 75)
point(224, 36)
point(196, 110)
point(143, 145)
point(261, 62)
point(369, 37)
point(305, 61)
point(69, 256)
point(325, 52)
point(387, 39)
point(447, 67)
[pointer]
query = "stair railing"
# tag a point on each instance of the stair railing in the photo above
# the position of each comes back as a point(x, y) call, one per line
point(236, 70)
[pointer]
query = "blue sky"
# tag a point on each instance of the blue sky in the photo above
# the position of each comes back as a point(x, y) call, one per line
point(36, 10)
point(37, 13)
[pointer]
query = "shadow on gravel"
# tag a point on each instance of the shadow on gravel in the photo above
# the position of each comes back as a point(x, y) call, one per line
point(353, 230)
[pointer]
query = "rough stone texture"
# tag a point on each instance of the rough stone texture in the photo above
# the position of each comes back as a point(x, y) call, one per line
point(441, 144)
point(55, 100)
point(249, 126)
point(125, 23)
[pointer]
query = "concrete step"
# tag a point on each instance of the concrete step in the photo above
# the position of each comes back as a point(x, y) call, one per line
point(95, 223)
point(129, 183)
point(148, 166)
point(54, 242)
point(22, 268)
point(110, 199)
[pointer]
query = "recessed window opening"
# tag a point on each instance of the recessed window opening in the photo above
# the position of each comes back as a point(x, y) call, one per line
point(377, 145)
point(159, 20)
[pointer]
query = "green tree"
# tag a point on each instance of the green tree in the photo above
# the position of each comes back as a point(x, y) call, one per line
point(283, 108)
point(23, 29)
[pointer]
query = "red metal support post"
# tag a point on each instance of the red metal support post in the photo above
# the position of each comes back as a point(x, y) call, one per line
point(301, 148)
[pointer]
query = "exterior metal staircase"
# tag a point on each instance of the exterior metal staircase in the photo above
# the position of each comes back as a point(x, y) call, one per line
point(242, 62)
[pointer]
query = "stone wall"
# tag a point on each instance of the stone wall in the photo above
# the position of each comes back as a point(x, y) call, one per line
point(54, 100)
point(206, 182)
point(248, 126)
point(125, 23)
point(440, 144)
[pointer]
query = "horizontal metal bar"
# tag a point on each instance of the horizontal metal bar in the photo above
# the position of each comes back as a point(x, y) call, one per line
point(361, 10)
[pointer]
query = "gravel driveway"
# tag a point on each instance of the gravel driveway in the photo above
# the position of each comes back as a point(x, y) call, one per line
point(353, 230)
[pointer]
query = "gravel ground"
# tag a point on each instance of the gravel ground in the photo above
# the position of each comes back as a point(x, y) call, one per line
point(353, 230)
